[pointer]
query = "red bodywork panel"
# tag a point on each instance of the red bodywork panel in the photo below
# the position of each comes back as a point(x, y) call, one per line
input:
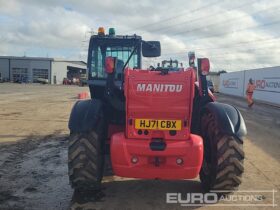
point(112, 129)
point(123, 150)
point(153, 96)
point(150, 95)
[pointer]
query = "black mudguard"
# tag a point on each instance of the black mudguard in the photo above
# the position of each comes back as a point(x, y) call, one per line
point(229, 119)
point(85, 115)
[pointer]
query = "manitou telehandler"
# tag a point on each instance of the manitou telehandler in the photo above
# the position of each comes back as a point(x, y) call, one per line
point(155, 124)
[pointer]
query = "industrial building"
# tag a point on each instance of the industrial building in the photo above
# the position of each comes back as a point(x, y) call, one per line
point(36, 69)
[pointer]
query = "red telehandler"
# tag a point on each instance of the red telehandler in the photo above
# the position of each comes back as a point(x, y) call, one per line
point(155, 124)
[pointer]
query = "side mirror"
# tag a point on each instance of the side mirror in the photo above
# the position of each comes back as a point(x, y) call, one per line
point(110, 64)
point(203, 65)
point(151, 49)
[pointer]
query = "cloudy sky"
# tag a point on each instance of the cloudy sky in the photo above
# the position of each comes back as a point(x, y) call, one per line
point(235, 35)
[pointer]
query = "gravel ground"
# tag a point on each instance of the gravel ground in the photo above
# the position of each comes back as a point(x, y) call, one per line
point(33, 156)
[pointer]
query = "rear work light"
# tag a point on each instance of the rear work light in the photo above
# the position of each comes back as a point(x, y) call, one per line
point(110, 64)
point(203, 66)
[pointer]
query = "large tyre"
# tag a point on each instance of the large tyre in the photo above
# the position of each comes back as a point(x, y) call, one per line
point(86, 159)
point(223, 157)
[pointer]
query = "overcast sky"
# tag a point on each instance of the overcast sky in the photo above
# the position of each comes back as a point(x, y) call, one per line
point(235, 35)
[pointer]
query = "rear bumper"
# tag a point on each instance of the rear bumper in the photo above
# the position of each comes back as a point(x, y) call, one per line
point(156, 164)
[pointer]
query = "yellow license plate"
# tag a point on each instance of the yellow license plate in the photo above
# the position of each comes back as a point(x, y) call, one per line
point(158, 124)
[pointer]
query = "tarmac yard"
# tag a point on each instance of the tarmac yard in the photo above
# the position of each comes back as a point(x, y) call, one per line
point(33, 157)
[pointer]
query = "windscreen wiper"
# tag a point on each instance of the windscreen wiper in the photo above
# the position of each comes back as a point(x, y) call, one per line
point(130, 56)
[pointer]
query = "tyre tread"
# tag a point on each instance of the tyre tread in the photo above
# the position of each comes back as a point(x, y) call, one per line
point(85, 160)
point(229, 155)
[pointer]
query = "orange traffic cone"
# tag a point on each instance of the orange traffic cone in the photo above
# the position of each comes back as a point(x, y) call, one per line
point(83, 95)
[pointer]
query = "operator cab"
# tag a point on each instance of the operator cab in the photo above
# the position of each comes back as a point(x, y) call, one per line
point(102, 46)
point(122, 52)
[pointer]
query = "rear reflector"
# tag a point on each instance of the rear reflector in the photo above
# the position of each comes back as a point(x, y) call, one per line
point(134, 160)
point(179, 161)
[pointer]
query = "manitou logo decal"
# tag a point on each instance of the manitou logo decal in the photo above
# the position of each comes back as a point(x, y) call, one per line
point(159, 88)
